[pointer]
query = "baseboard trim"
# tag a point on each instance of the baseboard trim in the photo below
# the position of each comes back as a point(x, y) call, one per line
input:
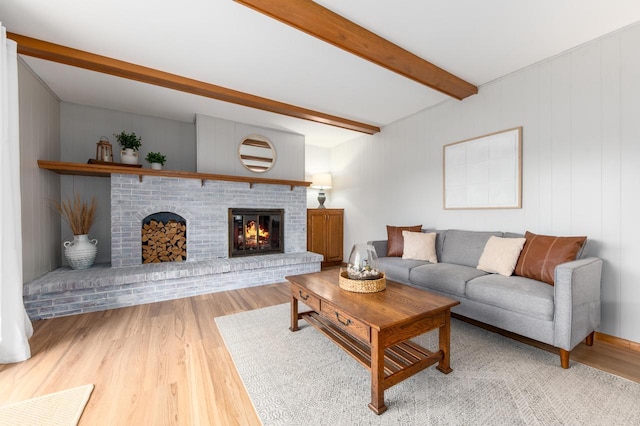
point(618, 341)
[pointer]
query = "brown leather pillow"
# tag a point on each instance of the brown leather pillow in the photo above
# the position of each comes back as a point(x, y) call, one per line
point(542, 253)
point(395, 240)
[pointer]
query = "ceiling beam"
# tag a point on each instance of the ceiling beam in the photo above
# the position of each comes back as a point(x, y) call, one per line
point(81, 59)
point(320, 22)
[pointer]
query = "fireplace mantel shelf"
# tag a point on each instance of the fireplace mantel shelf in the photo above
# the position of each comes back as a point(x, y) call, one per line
point(104, 170)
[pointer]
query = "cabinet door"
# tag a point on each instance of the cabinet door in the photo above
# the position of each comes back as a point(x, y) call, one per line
point(334, 237)
point(316, 231)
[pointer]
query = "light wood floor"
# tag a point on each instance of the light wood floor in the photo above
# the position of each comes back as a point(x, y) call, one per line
point(165, 363)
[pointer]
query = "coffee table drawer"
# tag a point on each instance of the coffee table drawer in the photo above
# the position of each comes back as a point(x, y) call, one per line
point(345, 321)
point(305, 297)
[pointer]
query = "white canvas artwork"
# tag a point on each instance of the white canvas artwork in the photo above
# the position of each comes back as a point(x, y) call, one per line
point(484, 172)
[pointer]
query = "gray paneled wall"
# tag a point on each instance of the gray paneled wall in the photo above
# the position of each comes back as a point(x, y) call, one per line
point(581, 164)
point(81, 128)
point(39, 139)
point(218, 142)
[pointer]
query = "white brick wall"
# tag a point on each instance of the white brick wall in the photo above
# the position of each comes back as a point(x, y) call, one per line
point(205, 209)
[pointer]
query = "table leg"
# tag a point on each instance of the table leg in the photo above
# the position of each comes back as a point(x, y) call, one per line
point(444, 334)
point(377, 374)
point(294, 314)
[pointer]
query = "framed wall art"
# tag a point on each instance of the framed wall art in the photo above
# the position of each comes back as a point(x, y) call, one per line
point(484, 172)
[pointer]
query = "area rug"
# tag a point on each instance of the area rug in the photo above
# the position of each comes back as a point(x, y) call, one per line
point(302, 378)
point(56, 409)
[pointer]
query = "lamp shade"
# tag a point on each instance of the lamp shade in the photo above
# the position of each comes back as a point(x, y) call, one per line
point(321, 181)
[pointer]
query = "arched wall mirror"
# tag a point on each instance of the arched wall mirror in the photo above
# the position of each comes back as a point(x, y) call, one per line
point(257, 153)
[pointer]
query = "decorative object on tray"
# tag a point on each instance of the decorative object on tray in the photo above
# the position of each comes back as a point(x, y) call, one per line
point(104, 150)
point(130, 143)
point(156, 159)
point(363, 274)
point(81, 252)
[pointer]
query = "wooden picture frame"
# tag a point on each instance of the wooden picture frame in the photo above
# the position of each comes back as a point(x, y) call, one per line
point(484, 172)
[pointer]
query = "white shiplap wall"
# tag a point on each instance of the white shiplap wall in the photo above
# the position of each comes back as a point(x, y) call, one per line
point(82, 126)
point(580, 114)
point(218, 141)
point(39, 139)
point(317, 160)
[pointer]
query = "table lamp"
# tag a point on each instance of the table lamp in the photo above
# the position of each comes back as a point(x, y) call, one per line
point(321, 181)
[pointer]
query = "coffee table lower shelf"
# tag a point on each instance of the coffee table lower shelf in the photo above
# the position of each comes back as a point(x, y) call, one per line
point(401, 360)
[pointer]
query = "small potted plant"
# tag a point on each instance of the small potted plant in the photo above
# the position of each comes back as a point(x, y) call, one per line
point(130, 143)
point(156, 159)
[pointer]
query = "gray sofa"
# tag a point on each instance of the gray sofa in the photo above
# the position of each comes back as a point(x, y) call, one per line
point(561, 315)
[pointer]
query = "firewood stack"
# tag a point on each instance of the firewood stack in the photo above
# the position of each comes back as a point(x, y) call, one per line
point(164, 242)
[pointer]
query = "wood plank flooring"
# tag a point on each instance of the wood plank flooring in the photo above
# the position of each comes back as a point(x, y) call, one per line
point(166, 363)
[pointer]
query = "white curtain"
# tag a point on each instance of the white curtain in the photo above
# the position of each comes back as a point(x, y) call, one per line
point(15, 327)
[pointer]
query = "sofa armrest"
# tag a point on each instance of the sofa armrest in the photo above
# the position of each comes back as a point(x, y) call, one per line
point(577, 301)
point(380, 246)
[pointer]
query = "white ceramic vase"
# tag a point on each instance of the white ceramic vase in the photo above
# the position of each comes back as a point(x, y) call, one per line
point(81, 252)
point(129, 156)
point(156, 166)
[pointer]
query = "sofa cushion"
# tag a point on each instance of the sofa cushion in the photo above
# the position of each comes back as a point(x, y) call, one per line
point(395, 241)
point(420, 246)
point(517, 294)
point(464, 247)
point(440, 236)
point(500, 255)
point(542, 253)
point(396, 268)
point(445, 277)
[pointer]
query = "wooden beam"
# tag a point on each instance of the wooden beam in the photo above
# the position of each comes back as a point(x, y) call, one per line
point(328, 26)
point(81, 59)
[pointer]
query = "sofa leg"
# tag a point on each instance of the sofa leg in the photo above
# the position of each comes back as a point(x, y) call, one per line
point(564, 358)
point(589, 339)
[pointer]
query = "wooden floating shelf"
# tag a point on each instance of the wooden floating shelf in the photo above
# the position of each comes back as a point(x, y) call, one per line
point(106, 170)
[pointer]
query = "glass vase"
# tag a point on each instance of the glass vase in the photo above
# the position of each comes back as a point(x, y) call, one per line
point(363, 263)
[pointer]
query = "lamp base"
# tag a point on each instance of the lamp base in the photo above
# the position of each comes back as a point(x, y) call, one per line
point(321, 200)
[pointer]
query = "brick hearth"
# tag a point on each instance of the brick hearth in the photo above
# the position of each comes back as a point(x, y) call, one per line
point(205, 207)
point(67, 292)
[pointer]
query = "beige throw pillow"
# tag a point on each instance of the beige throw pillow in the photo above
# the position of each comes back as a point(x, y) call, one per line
point(500, 255)
point(395, 242)
point(420, 246)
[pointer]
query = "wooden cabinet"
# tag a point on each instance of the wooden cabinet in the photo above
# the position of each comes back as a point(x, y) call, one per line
point(325, 234)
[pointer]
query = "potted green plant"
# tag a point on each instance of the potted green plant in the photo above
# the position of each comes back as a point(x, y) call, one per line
point(156, 159)
point(81, 252)
point(130, 142)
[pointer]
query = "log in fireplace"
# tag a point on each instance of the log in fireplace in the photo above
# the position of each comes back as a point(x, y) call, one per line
point(164, 238)
point(255, 232)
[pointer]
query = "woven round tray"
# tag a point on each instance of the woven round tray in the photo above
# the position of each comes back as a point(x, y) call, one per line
point(362, 286)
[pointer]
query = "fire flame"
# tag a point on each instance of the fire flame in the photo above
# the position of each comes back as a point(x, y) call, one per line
point(251, 232)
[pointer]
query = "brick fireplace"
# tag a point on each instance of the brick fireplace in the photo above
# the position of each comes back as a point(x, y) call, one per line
point(205, 210)
point(203, 207)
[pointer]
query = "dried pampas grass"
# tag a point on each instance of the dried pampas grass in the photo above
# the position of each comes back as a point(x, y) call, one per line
point(77, 213)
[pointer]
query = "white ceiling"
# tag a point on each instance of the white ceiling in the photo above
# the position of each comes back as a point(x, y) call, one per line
point(227, 44)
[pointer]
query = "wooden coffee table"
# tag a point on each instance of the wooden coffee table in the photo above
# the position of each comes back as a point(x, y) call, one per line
point(375, 328)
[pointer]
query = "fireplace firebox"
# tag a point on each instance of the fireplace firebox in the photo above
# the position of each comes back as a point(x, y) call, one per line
point(255, 232)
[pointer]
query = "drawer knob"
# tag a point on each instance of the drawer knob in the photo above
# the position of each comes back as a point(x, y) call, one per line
point(345, 323)
point(303, 297)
